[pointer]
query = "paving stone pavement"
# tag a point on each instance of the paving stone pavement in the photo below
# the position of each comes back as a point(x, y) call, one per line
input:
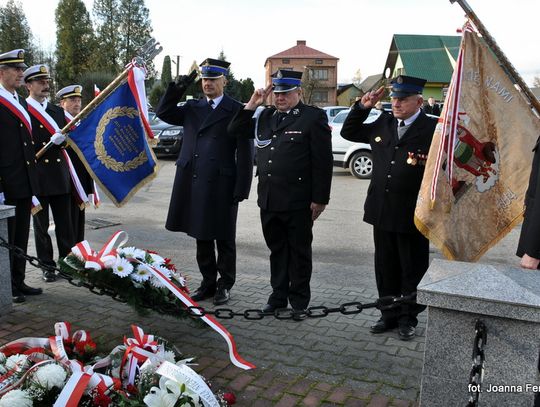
point(331, 361)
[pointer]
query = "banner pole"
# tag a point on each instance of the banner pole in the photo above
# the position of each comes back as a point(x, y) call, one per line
point(507, 65)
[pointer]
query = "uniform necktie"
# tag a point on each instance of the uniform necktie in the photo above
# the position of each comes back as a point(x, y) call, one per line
point(280, 117)
point(211, 103)
point(402, 128)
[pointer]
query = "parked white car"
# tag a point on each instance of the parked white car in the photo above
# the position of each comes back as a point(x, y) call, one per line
point(333, 111)
point(348, 154)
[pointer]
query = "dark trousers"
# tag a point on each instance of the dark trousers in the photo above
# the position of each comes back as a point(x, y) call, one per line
point(401, 260)
point(225, 264)
point(18, 231)
point(78, 220)
point(61, 209)
point(288, 235)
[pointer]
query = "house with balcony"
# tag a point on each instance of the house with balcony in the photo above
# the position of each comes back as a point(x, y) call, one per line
point(319, 81)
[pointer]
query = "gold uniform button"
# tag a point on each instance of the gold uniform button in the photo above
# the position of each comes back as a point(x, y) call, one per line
point(35, 161)
point(44, 143)
point(32, 143)
point(28, 163)
point(46, 160)
point(274, 136)
point(271, 148)
point(58, 160)
point(25, 144)
point(40, 126)
point(20, 124)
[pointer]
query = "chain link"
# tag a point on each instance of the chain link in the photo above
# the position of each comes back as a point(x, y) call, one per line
point(321, 311)
point(477, 370)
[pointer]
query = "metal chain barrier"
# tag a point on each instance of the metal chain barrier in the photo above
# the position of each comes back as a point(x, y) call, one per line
point(349, 308)
point(477, 370)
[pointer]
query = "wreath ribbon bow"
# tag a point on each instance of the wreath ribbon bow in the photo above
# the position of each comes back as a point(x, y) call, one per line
point(106, 257)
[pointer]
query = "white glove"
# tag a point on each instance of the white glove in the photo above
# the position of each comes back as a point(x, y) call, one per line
point(2, 198)
point(58, 138)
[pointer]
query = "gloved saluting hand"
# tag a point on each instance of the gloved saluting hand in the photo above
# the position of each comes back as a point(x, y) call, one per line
point(183, 81)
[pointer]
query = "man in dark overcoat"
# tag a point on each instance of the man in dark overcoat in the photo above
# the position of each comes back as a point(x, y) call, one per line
point(213, 174)
point(294, 166)
point(18, 176)
point(400, 143)
point(53, 171)
point(529, 241)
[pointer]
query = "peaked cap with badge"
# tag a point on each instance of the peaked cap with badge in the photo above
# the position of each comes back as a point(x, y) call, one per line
point(69, 91)
point(14, 58)
point(403, 86)
point(214, 68)
point(284, 80)
point(36, 72)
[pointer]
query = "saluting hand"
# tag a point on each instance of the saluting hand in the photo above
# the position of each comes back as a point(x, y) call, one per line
point(258, 97)
point(371, 98)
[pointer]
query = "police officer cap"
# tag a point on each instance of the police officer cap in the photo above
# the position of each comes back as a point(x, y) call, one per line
point(404, 86)
point(285, 81)
point(69, 91)
point(214, 68)
point(13, 58)
point(36, 72)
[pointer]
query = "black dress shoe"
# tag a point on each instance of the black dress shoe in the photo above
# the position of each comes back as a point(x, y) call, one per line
point(202, 294)
point(27, 290)
point(382, 326)
point(268, 308)
point(18, 297)
point(222, 296)
point(406, 332)
point(49, 276)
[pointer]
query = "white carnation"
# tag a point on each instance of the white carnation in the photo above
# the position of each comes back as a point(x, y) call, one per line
point(50, 375)
point(122, 268)
point(18, 362)
point(16, 398)
point(156, 283)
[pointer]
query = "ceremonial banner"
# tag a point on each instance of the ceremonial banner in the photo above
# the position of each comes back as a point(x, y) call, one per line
point(111, 141)
point(479, 162)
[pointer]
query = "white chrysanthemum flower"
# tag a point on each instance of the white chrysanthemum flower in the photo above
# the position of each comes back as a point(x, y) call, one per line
point(179, 278)
point(132, 252)
point(18, 362)
point(169, 356)
point(156, 282)
point(2, 358)
point(16, 398)
point(156, 259)
point(122, 268)
point(141, 274)
point(50, 375)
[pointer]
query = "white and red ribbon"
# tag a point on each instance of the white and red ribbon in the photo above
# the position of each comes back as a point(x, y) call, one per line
point(105, 258)
point(234, 356)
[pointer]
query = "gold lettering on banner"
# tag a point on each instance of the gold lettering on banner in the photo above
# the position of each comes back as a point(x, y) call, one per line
point(124, 140)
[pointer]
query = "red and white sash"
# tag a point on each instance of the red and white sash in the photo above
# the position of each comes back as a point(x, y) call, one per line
point(16, 108)
point(48, 122)
point(94, 196)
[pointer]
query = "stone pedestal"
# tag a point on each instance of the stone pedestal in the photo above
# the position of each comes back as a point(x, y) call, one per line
point(5, 271)
point(507, 300)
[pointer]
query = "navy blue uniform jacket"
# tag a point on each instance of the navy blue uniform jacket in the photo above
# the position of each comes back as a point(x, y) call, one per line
point(212, 171)
point(392, 193)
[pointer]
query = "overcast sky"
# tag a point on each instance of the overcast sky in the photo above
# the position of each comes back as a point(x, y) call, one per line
point(358, 32)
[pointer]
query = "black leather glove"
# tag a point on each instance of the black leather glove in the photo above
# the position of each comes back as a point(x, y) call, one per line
point(183, 81)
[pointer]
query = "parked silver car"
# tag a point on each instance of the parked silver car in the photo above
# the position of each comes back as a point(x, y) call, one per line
point(169, 136)
point(348, 154)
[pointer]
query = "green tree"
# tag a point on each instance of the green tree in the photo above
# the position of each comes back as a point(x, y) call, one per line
point(247, 89)
point(88, 79)
point(166, 75)
point(107, 15)
point(75, 41)
point(14, 30)
point(134, 27)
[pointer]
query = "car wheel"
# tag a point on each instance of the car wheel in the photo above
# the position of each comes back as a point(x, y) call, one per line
point(361, 165)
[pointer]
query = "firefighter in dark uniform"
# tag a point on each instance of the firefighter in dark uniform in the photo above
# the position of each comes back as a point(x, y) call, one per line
point(53, 172)
point(18, 176)
point(400, 144)
point(294, 166)
point(70, 99)
point(213, 174)
point(529, 243)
